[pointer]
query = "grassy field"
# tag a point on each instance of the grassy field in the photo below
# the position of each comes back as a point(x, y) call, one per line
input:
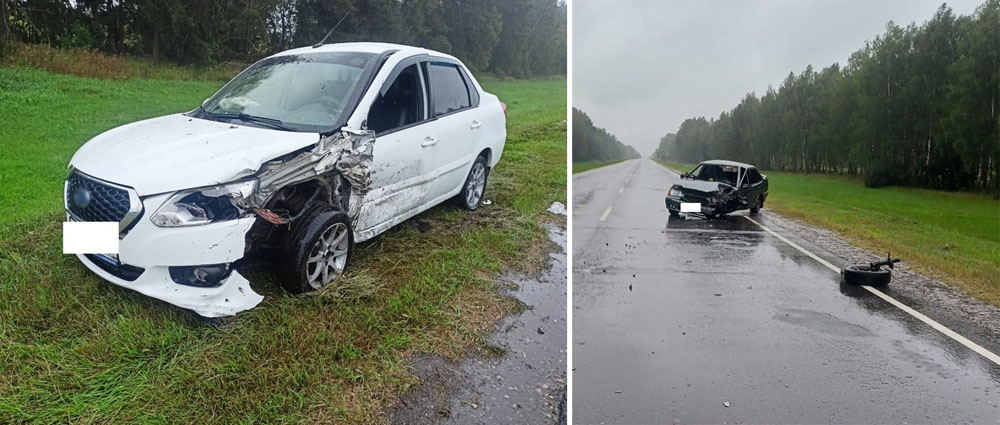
point(579, 167)
point(953, 236)
point(74, 348)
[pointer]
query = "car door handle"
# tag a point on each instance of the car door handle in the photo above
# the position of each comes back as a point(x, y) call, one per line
point(475, 124)
point(429, 141)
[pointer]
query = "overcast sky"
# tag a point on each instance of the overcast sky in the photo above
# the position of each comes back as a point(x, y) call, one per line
point(641, 67)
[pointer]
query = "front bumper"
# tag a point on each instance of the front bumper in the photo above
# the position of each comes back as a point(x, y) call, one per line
point(674, 204)
point(155, 249)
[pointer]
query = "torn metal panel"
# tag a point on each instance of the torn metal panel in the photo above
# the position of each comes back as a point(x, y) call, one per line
point(347, 153)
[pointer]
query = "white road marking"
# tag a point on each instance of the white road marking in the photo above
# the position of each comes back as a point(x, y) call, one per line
point(920, 316)
point(606, 212)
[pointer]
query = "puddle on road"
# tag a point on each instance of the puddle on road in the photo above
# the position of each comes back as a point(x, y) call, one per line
point(526, 384)
point(821, 322)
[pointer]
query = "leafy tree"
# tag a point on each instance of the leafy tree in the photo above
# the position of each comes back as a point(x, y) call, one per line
point(917, 105)
point(591, 143)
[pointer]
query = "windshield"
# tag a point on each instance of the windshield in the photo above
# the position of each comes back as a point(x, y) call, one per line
point(307, 93)
point(716, 173)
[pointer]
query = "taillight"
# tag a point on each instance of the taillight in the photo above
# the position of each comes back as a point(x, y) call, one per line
point(504, 106)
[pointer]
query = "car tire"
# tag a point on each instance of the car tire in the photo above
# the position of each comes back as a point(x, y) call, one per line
point(758, 204)
point(474, 187)
point(861, 275)
point(317, 249)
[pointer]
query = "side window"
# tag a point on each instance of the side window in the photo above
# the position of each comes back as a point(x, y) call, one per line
point(754, 176)
point(402, 104)
point(449, 92)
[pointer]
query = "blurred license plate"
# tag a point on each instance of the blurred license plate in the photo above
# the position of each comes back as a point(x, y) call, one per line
point(690, 207)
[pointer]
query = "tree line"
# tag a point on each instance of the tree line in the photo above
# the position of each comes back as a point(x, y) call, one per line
point(917, 106)
point(591, 143)
point(510, 37)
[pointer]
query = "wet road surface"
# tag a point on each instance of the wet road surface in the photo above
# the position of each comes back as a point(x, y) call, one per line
point(524, 385)
point(717, 321)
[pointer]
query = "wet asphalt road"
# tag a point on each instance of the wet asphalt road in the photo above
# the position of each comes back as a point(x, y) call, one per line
point(716, 321)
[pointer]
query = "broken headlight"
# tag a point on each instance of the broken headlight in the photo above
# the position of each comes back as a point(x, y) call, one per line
point(206, 205)
point(675, 191)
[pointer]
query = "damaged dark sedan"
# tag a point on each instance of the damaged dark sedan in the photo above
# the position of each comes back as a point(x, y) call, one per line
point(716, 188)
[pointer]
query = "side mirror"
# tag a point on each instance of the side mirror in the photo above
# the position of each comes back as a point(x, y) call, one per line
point(685, 175)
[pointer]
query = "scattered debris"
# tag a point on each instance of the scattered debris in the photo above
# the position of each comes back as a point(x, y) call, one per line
point(541, 331)
point(557, 208)
point(725, 403)
point(486, 202)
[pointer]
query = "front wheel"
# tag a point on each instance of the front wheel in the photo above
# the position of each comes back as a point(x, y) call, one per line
point(475, 186)
point(758, 204)
point(317, 250)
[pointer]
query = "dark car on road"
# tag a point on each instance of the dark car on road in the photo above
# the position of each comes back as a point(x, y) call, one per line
point(716, 188)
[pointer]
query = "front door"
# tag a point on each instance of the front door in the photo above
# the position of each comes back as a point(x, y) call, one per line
point(399, 171)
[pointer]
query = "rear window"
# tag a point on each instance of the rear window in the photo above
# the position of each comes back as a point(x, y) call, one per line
point(449, 92)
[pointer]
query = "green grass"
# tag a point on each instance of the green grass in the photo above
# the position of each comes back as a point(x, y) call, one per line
point(579, 167)
point(954, 236)
point(74, 348)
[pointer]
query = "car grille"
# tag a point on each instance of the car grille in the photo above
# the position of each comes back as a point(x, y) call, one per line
point(107, 203)
point(696, 196)
point(121, 271)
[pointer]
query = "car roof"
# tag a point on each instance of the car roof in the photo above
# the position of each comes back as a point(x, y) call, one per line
point(725, 162)
point(376, 48)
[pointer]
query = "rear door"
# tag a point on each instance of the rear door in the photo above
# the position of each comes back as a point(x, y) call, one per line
point(453, 105)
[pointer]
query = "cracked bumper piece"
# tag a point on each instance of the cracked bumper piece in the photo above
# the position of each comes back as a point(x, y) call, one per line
point(150, 251)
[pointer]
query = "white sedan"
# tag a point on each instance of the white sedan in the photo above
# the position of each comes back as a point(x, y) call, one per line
point(297, 158)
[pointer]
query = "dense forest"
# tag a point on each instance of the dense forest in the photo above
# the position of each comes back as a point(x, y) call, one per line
point(917, 106)
point(510, 37)
point(596, 144)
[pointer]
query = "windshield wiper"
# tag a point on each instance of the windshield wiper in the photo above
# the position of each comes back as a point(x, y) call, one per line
point(271, 122)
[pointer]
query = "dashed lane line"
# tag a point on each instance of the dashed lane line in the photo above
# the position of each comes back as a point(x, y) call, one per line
point(606, 213)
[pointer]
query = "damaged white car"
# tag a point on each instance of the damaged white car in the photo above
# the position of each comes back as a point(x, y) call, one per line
point(300, 156)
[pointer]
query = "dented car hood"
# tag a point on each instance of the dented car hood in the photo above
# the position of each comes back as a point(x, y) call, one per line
point(702, 185)
point(176, 152)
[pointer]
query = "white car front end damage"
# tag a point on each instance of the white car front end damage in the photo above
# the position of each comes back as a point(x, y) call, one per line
point(134, 170)
point(196, 194)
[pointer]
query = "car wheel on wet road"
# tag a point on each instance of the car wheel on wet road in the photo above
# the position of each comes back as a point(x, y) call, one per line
point(317, 249)
point(862, 275)
point(757, 205)
point(475, 186)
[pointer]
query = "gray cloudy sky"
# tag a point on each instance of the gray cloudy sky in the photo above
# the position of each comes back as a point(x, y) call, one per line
point(640, 67)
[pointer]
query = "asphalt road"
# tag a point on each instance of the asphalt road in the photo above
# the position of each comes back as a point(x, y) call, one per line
point(718, 321)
